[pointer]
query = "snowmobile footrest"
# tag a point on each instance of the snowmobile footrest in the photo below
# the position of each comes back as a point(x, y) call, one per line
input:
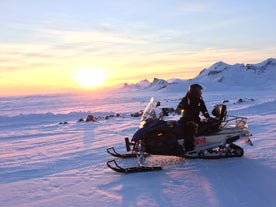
point(120, 169)
point(114, 153)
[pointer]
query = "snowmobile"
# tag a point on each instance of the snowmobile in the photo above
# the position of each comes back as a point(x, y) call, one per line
point(156, 136)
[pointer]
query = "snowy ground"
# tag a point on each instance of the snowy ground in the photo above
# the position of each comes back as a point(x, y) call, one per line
point(44, 163)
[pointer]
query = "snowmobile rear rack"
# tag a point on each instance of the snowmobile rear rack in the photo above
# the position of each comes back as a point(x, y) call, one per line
point(120, 169)
point(235, 121)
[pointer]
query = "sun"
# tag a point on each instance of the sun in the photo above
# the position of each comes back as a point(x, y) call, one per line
point(90, 77)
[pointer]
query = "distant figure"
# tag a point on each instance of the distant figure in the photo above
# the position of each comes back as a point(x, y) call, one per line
point(192, 104)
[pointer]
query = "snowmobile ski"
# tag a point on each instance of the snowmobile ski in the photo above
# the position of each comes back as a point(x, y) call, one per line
point(120, 169)
point(222, 152)
point(114, 153)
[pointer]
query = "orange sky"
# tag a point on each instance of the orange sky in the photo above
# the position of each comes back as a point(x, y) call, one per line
point(44, 45)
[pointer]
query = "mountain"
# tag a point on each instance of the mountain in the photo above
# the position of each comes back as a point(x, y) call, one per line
point(156, 84)
point(220, 75)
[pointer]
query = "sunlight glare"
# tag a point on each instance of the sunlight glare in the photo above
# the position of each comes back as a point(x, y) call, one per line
point(90, 77)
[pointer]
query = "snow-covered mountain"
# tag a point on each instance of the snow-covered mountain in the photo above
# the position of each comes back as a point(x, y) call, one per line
point(156, 84)
point(220, 75)
point(261, 75)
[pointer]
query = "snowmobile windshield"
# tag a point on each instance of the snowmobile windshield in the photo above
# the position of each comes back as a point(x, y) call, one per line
point(149, 113)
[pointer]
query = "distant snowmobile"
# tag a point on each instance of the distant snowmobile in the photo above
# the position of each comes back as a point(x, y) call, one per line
point(158, 137)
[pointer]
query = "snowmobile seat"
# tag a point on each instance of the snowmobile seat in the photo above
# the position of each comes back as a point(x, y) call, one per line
point(209, 127)
point(213, 124)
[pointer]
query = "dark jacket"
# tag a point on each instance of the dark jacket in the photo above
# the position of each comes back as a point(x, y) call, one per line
point(192, 106)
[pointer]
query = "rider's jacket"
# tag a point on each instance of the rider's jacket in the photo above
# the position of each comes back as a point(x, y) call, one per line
point(192, 107)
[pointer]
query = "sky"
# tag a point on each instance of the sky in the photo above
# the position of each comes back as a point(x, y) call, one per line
point(43, 44)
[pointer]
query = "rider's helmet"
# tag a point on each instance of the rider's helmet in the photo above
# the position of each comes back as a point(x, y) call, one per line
point(195, 90)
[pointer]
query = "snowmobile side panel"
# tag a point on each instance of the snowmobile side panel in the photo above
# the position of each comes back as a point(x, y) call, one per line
point(152, 126)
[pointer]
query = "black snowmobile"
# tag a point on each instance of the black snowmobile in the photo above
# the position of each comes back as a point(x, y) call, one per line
point(158, 137)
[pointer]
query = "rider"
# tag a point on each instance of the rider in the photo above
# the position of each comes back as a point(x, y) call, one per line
point(192, 104)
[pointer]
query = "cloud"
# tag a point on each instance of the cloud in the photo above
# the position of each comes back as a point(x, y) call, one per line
point(143, 36)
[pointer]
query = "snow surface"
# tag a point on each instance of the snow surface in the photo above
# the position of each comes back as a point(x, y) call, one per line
point(44, 162)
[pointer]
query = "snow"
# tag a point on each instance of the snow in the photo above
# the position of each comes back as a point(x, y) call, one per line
point(156, 84)
point(44, 162)
point(254, 76)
